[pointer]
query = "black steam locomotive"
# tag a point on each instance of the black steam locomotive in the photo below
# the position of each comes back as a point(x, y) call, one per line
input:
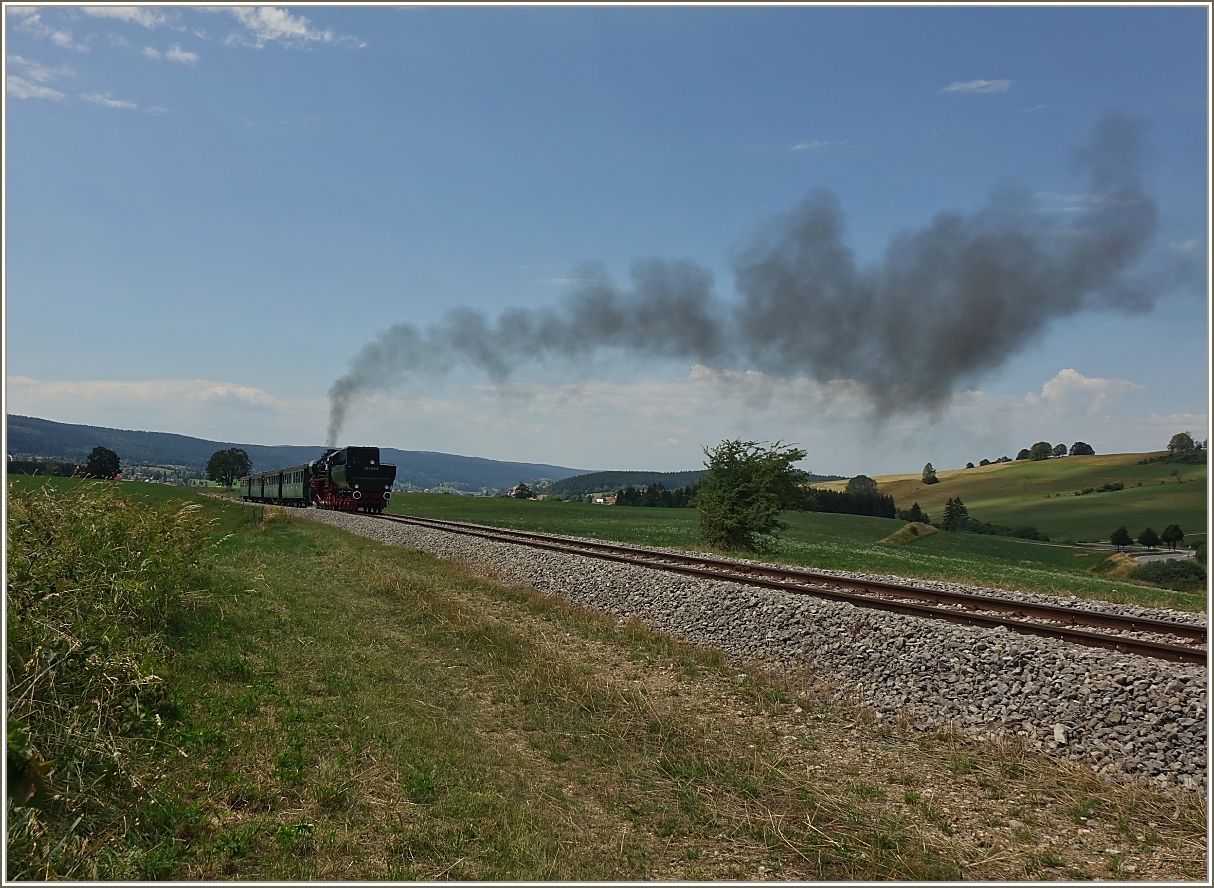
point(348, 479)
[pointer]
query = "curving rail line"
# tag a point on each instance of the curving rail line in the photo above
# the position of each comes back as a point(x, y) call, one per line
point(1050, 621)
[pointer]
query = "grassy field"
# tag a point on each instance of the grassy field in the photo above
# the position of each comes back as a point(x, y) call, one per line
point(335, 709)
point(825, 541)
point(1041, 494)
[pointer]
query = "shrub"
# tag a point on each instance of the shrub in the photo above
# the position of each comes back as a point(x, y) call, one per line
point(1179, 575)
point(92, 582)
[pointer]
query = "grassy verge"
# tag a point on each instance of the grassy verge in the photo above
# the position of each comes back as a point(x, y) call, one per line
point(93, 581)
point(337, 709)
point(832, 542)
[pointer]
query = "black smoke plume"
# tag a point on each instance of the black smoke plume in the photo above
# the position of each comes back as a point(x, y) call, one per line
point(946, 303)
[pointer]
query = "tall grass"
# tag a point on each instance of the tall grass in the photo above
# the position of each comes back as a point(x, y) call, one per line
point(93, 580)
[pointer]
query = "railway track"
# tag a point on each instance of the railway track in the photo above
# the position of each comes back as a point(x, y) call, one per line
point(1143, 636)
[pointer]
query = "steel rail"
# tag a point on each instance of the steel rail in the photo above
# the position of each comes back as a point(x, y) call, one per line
point(940, 604)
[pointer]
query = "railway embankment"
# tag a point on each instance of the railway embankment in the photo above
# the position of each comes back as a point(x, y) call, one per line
point(1119, 714)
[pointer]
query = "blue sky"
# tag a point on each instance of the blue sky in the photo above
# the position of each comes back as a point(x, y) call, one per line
point(209, 213)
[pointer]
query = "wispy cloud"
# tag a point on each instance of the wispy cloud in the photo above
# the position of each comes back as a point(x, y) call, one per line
point(1186, 245)
point(108, 101)
point(139, 15)
point(177, 54)
point(29, 20)
point(978, 86)
point(1034, 108)
point(174, 54)
point(20, 88)
point(269, 24)
point(33, 79)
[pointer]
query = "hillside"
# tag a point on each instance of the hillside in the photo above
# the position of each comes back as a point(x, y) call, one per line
point(1042, 494)
point(31, 436)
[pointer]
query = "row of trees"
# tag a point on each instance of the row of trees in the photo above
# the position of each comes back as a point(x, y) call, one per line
point(656, 495)
point(1172, 536)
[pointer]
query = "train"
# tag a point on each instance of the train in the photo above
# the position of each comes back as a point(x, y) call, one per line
point(348, 479)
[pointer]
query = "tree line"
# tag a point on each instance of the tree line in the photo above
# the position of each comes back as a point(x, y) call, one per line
point(656, 496)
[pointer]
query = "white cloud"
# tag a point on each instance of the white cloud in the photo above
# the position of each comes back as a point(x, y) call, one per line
point(1073, 393)
point(177, 54)
point(269, 24)
point(174, 54)
point(29, 20)
point(37, 71)
point(1034, 108)
point(107, 100)
point(978, 86)
point(1186, 245)
point(149, 18)
point(20, 88)
point(32, 82)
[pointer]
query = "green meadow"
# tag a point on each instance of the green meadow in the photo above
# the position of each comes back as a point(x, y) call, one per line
point(203, 690)
point(825, 541)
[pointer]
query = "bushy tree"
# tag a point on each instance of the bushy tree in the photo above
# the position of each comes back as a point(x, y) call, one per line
point(103, 463)
point(746, 487)
point(1059, 450)
point(522, 491)
point(1024, 454)
point(1081, 449)
point(984, 462)
point(1172, 535)
point(929, 475)
point(969, 465)
point(1041, 450)
point(861, 484)
point(1120, 537)
point(1148, 538)
point(225, 466)
point(1182, 442)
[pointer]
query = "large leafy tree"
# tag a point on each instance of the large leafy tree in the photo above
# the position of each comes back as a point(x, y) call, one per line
point(1121, 537)
point(746, 487)
point(1182, 442)
point(861, 484)
point(103, 463)
point(225, 466)
point(1172, 535)
point(1041, 450)
point(929, 475)
point(1148, 538)
point(1079, 448)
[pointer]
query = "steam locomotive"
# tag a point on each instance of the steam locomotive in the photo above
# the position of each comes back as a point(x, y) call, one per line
point(347, 479)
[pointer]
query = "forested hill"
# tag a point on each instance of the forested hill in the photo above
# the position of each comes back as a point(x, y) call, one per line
point(602, 482)
point(30, 436)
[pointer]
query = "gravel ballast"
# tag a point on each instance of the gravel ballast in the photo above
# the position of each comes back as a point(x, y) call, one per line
point(1119, 713)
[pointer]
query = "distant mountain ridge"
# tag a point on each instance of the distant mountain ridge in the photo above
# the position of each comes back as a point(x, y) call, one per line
point(28, 435)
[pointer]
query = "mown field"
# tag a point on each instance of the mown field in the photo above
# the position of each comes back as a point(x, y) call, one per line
point(206, 690)
point(826, 541)
point(1041, 494)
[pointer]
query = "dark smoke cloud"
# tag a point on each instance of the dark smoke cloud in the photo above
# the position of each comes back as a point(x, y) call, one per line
point(945, 304)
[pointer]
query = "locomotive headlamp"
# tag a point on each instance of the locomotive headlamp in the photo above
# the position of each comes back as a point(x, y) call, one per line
point(356, 487)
